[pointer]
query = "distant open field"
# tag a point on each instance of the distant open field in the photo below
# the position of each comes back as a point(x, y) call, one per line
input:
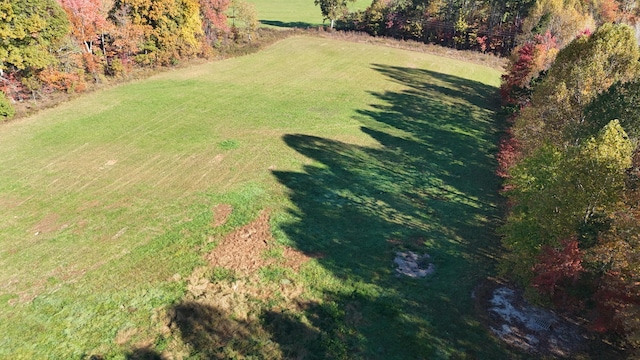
point(114, 205)
point(295, 13)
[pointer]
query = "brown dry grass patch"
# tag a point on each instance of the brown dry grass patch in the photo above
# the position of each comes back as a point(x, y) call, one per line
point(7, 202)
point(48, 224)
point(221, 213)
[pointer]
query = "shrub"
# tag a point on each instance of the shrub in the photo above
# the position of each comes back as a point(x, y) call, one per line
point(63, 81)
point(6, 109)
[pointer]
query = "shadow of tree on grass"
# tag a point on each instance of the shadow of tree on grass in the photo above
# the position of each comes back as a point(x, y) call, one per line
point(292, 24)
point(143, 353)
point(427, 186)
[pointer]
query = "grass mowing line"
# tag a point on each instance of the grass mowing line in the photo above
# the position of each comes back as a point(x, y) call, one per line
point(384, 169)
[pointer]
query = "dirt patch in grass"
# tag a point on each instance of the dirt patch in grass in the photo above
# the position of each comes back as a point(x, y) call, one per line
point(223, 312)
point(221, 214)
point(243, 250)
point(7, 202)
point(48, 224)
point(217, 159)
point(527, 327)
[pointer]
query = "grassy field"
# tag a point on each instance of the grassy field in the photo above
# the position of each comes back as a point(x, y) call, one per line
point(354, 152)
point(295, 13)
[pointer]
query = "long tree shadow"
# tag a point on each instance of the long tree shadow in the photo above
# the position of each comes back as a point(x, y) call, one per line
point(428, 186)
point(291, 24)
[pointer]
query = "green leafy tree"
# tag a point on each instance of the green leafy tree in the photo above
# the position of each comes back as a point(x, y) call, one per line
point(332, 9)
point(6, 109)
point(583, 69)
point(245, 21)
point(557, 192)
point(621, 101)
point(29, 33)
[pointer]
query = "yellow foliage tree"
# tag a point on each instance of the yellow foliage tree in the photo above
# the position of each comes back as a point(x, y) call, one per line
point(172, 28)
point(564, 19)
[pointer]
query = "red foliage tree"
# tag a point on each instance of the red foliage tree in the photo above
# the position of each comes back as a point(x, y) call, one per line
point(519, 69)
point(556, 266)
point(508, 154)
point(62, 81)
point(214, 19)
point(526, 65)
point(618, 254)
point(12, 86)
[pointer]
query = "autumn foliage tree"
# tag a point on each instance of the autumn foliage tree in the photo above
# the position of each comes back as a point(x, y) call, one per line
point(30, 32)
point(616, 258)
point(62, 45)
point(562, 19)
point(583, 69)
point(332, 9)
point(124, 40)
point(87, 21)
point(556, 266)
point(575, 185)
point(172, 29)
point(245, 22)
point(214, 18)
point(525, 66)
point(557, 192)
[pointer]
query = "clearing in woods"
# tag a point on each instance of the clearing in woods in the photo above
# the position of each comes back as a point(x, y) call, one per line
point(123, 211)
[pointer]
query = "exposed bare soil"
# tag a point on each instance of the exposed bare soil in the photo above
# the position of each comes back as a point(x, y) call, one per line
point(220, 315)
point(244, 250)
point(526, 327)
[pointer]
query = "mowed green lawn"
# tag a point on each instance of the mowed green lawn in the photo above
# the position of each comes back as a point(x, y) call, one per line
point(295, 13)
point(356, 151)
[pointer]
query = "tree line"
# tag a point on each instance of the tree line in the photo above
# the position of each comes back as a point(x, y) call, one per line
point(495, 26)
point(570, 159)
point(570, 154)
point(66, 45)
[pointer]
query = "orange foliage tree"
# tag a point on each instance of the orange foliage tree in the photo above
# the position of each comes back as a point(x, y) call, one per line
point(87, 20)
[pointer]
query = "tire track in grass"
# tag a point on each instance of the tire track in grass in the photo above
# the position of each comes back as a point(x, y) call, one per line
point(175, 169)
point(146, 171)
point(197, 164)
point(211, 165)
point(106, 172)
point(65, 155)
point(185, 185)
